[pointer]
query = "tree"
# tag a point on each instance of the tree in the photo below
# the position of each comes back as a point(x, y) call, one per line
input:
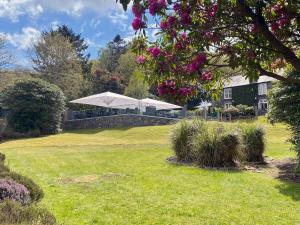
point(127, 65)
point(284, 101)
point(55, 59)
point(34, 104)
point(103, 80)
point(5, 57)
point(77, 41)
point(260, 37)
point(109, 56)
point(137, 87)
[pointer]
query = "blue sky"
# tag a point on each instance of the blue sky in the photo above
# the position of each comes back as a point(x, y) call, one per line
point(97, 20)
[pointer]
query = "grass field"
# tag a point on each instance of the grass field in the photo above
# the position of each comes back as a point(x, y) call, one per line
point(121, 176)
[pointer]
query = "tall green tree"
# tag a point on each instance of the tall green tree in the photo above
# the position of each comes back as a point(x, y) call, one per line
point(110, 55)
point(77, 42)
point(127, 65)
point(137, 87)
point(56, 60)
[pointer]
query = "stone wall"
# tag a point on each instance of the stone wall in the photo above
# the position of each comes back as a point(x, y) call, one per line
point(126, 120)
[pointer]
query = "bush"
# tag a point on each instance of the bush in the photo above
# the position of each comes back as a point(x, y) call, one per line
point(2, 157)
point(233, 111)
point(217, 147)
point(11, 190)
point(183, 136)
point(245, 110)
point(14, 213)
point(33, 104)
point(36, 193)
point(253, 139)
point(284, 101)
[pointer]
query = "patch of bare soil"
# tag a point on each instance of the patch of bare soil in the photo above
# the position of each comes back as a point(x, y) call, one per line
point(283, 169)
point(92, 178)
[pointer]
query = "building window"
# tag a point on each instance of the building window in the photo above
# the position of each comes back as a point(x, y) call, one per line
point(227, 105)
point(227, 93)
point(262, 89)
point(263, 104)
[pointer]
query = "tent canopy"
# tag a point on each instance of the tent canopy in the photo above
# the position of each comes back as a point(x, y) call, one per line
point(160, 105)
point(109, 100)
point(112, 100)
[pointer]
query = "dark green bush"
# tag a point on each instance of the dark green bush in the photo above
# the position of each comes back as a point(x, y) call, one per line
point(36, 193)
point(14, 213)
point(253, 142)
point(33, 105)
point(245, 110)
point(183, 136)
point(217, 147)
point(232, 110)
point(284, 101)
point(2, 157)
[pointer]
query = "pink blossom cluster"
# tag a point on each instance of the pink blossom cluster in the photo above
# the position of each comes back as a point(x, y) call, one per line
point(195, 65)
point(169, 88)
point(141, 59)
point(156, 6)
point(207, 76)
point(155, 51)
point(138, 23)
point(281, 18)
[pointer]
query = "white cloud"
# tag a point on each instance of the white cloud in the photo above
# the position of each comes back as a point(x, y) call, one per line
point(25, 39)
point(94, 23)
point(13, 9)
point(119, 18)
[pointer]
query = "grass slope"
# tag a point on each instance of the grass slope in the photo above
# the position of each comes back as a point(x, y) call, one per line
point(121, 177)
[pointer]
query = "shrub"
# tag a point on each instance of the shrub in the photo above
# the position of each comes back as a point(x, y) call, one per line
point(36, 193)
point(33, 104)
point(253, 142)
point(14, 213)
point(284, 101)
point(182, 138)
point(231, 110)
point(245, 110)
point(12, 190)
point(2, 157)
point(217, 147)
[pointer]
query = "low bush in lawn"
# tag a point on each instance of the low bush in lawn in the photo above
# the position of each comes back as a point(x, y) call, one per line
point(253, 142)
point(182, 136)
point(11, 190)
point(14, 213)
point(218, 145)
point(17, 193)
point(36, 193)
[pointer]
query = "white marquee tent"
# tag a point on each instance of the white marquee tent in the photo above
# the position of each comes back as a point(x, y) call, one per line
point(109, 100)
point(112, 100)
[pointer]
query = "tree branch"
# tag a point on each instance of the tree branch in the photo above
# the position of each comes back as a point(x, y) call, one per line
point(274, 75)
point(258, 19)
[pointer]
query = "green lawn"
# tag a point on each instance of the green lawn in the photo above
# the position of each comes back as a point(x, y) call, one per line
point(121, 176)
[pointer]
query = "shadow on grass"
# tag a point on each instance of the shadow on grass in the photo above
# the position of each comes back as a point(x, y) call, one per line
point(290, 189)
point(96, 130)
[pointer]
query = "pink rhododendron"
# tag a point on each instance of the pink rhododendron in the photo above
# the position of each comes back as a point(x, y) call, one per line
point(141, 59)
point(138, 23)
point(156, 6)
point(138, 11)
point(155, 51)
point(207, 75)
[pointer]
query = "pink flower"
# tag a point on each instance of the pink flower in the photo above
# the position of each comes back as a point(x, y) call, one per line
point(164, 25)
point(138, 10)
point(207, 75)
point(138, 23)
point(155, 51)
point(177, 7)
point(156, 6)
point(141, 59)
point(195, 65)
point(186, 18)
point(171, 20)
